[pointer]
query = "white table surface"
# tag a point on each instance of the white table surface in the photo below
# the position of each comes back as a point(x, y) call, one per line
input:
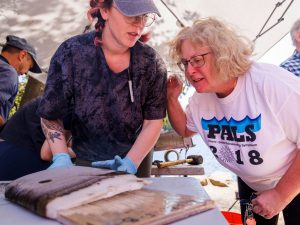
point(11, 214)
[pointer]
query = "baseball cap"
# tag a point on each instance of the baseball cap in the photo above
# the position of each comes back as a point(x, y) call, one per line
point(136, 7)
point(21, 43)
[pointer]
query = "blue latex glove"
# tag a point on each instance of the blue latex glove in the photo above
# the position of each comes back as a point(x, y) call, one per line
point(61, 160)
point(118, 164)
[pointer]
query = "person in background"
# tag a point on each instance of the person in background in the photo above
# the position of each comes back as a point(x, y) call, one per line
point(23, 148)
point(292, 64)
point(21, 141)
point(246, 112)
point(112, 84)
point(17, 58)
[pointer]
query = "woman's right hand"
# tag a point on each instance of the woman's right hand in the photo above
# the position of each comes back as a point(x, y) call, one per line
point(61, 160)
point(174, 87)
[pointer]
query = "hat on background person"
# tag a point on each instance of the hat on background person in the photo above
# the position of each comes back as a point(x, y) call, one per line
point(22, 44)
point(136, 7)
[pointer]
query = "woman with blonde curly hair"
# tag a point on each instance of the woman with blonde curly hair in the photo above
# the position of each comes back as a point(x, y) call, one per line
point(112, 84)
point(245, 112)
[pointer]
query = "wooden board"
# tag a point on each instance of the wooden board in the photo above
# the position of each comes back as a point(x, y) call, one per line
point(38, 191)
point(140, 207)
point(3, 185)
point(183, 170)
point(171, 140)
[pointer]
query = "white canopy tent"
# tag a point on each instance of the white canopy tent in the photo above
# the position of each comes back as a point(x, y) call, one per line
point(251, 18)
point(47, 23)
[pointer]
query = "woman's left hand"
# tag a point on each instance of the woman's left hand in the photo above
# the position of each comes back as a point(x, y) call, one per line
point(118, 164)
point(268, 203)
point(174, 87)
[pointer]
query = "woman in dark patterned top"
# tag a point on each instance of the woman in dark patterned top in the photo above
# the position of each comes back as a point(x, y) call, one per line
point(113, 85)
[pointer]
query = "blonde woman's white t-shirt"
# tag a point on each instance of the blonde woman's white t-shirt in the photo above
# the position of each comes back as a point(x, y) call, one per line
point(255, 130)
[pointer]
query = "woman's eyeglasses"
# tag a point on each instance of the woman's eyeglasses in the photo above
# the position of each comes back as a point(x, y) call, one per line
point(196, 61)
point(146, 20)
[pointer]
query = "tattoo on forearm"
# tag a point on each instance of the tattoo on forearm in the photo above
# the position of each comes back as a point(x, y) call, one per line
point(52, 129)
point(54, 135)
point(52, 125)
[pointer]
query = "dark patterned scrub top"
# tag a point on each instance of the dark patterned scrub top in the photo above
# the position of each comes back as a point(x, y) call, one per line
point(105, 122)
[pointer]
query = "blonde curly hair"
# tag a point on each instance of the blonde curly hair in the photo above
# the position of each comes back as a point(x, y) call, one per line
point(231, 51)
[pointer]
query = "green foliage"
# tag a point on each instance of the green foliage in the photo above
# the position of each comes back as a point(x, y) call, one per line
point(21, 91)
point(166, 124)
